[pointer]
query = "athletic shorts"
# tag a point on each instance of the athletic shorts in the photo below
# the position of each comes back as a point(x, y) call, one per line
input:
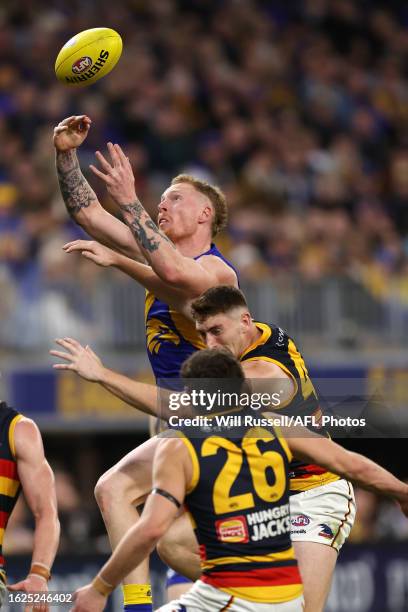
point(324, 514)
point(203, 597)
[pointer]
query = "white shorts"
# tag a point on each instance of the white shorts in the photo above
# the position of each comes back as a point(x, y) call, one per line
point(203, 597)
point(324, 514)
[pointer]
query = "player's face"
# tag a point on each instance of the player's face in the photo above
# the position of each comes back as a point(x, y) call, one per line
point(181, 210)
point(225, 330)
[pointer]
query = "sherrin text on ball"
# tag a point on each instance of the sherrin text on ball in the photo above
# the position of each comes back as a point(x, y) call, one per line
point(88, 56)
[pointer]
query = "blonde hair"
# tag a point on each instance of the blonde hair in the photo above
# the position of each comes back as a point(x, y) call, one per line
point(214, 194)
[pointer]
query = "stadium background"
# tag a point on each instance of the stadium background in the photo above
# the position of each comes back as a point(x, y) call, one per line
point(298, 110)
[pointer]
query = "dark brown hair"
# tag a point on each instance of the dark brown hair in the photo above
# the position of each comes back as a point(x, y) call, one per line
point(216, 300)
point(212, 363)
point(214, 194)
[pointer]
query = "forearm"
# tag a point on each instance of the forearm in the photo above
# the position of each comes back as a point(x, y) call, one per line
point(46, 537)
point(142, 396)
point(148, 278)
point(367, 474)
point(75, 189)
point(158, 250)
point(132, 549)
point(84, 207)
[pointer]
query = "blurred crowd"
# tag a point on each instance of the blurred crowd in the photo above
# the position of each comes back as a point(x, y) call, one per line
point(298, 110)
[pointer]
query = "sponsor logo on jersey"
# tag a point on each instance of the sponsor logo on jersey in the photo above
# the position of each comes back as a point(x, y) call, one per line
point(83, 63)
point(232, 530)
point(326, 531)
point(300, 521)
point(281, 337)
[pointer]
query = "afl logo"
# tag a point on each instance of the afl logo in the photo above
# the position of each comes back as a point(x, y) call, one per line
point(300, 521)
point(83, 63)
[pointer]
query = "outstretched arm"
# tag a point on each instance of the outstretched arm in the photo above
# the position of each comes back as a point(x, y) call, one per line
point(83, 361)
point(103, 256)
point(167, 262)
point(357, 468)
point(37, 482)
point(80, 199)
point(171, 474)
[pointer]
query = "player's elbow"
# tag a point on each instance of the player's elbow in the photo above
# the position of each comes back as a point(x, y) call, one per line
point(152, 534)
point(90, 218)
point(171, 275)
point(147, 538)
point(46, 516)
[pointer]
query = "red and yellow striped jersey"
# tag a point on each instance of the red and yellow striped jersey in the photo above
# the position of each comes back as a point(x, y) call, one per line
point(276, 346)
point(238, 501)
point(9, 481)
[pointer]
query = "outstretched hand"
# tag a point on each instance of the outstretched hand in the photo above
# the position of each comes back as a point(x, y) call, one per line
point(71, 132)
point(96, 252)
point(32, 584)
point(117, 175)
point(79, 359)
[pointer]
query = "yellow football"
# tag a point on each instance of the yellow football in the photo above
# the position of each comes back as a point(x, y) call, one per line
point(88, 56)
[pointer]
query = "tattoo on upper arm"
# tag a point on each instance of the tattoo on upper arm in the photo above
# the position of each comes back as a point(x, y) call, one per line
point(75, 189)
point(139, 222)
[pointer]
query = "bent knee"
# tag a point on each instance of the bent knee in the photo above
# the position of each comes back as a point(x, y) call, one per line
point(104, 490)
point(117, 487)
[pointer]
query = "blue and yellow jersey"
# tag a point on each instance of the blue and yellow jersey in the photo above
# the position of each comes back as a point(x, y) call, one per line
point(238, 502)
point(9, 481)
point(170, 336)
point(276, 346)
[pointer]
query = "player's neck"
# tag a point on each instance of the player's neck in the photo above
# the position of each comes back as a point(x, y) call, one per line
point(251, 337)
point(191, 246)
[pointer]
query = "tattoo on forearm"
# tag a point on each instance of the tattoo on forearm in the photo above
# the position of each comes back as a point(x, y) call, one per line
point(75, 189)
point(139, 222)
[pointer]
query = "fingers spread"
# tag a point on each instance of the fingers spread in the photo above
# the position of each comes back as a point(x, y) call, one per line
point(104, 163)
point(66, 344)
point(73, 342)
point(61, 355)
point(119, 152)
point(114, 154)
point(104, 177)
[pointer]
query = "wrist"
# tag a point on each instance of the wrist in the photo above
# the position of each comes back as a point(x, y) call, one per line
point(101, 586)
point(39, 570)
point(103, 377)
point(124, 202)
point(64, 152)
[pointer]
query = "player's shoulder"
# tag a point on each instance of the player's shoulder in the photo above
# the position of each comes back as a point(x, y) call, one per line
point(216, 265)
point(26, 431)
point(277, 337)
point(171, 443)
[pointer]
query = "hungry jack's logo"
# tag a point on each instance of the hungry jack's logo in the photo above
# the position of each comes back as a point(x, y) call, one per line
point(233, 530)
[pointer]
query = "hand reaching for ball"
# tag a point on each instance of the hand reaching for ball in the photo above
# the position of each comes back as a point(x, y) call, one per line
point(71, 132)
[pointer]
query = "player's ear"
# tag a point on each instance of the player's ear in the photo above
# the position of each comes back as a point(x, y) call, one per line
point(205, 214)
point(246, 319)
